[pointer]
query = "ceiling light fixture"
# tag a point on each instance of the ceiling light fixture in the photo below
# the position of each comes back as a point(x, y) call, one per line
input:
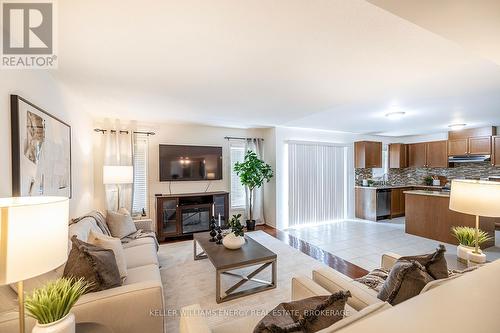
point(456, 127)
point(395, 115)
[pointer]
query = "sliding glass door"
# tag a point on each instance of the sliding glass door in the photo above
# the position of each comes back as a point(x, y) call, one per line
point(317, 183)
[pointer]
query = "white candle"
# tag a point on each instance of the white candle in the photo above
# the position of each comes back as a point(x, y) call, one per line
point(219, 219)
point(213, 210)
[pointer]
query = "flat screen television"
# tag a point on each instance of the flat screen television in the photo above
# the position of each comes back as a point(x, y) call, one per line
point(184, 163)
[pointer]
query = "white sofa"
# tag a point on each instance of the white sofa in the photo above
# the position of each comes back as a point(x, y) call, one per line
point(136, 306)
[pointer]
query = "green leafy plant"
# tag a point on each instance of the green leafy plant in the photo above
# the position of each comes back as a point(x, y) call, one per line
point(55, 300)
point(428, 180)
point(467, 236)
point(253, 172)
point(236, 226)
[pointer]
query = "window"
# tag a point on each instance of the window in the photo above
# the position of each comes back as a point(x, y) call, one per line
point(237, 190)
point(140, 197)
point(380, 172)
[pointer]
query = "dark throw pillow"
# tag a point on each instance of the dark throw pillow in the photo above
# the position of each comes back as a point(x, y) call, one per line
point(95, 264)
point(406, 280)
point(375, 279)
point(434, 263)
point(306, 315)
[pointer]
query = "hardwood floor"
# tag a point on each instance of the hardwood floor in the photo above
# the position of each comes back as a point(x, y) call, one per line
point(343, 266)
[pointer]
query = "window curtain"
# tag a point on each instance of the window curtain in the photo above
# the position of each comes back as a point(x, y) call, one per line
point(118, 150)
point(317, 183)
point(256, 145)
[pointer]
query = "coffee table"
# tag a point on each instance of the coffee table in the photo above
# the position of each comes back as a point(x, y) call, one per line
point(227, 261)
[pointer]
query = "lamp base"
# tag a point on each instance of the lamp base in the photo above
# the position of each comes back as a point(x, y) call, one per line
point(474, 258)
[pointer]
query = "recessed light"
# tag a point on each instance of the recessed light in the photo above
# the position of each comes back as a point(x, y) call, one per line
point(395, 115)
point(456, 127)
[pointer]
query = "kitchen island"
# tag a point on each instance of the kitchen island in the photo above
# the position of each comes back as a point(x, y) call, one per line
point(428, 215)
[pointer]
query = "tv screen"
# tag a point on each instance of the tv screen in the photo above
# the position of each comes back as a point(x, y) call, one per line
point(178, 163)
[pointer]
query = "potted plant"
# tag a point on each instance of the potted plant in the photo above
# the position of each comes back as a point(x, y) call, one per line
point(235, 239)
point(252, 172)
point(51, 305)
point(428, 180)
point(466, 237)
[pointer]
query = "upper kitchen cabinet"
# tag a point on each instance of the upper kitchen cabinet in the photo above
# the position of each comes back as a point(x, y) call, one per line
point(368, 154)
point(495, 159)
point(398, 155)
point(474, 141)
point(428, 155)
point(417, 155)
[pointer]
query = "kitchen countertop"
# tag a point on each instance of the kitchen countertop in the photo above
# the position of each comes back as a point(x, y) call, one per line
point(429, 193)
point(388, 187)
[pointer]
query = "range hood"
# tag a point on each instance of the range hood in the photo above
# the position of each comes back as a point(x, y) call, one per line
point(469, 158)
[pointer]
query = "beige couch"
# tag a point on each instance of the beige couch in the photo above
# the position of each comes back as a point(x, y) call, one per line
point(136, 306)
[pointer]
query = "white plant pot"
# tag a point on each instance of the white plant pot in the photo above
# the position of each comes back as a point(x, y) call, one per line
point(463, 252)
point(63, 325)
point(233, 242)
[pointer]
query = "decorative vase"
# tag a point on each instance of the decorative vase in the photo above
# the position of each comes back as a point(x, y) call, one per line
point(250, 225)
point(476, 258)
point(63, 325)
point(233, 242)
point(463, 252)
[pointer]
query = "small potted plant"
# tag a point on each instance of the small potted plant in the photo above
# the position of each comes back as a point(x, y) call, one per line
point(235, 239)
point(51, 305)
point(252, 172)
point(428, 180)
point(466, 237)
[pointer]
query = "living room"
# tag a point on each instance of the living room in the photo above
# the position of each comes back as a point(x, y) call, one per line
point(212, 166)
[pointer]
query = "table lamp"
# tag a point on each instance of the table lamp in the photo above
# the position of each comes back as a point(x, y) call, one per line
point(478, 198)
point(117, 175)
point(33, 240)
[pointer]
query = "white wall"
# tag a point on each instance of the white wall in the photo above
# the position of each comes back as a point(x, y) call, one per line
point(39, 87)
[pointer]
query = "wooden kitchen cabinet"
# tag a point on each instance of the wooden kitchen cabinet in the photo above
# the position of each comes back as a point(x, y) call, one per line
point(368, 154)
point(458, 147)
point(417, 155)
point(437, 154)
point(398, 202)
point(495, 158)
point(398, 155)
point(480, 145)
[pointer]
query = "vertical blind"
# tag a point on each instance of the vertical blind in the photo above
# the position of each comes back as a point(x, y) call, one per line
point(317, 183)
point(140, 195)
point(237, 190)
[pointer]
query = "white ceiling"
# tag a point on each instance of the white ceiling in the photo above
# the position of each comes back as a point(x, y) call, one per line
point(326, 64)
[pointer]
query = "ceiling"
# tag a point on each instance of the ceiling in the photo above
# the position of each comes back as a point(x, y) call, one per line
point(326, 64)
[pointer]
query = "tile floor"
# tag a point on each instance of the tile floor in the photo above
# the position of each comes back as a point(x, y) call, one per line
point(363, 242)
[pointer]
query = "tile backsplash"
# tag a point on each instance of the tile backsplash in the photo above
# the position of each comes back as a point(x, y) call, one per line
point(417, 175)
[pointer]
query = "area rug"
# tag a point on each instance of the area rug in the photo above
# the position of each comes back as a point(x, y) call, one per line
point(188, 282)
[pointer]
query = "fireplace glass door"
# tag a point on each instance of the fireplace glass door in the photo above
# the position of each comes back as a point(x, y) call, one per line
point(195, 218)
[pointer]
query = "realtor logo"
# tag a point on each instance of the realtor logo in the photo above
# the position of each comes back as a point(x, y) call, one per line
point(28, 34)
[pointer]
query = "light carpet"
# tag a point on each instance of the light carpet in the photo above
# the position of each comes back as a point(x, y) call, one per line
point(187, 281)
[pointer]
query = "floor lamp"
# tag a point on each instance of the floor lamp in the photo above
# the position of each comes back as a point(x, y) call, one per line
point(33, 240)
point(117, 175)
point(478, 198)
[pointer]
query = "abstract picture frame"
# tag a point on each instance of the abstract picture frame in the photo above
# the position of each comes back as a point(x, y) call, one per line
point(41, 151)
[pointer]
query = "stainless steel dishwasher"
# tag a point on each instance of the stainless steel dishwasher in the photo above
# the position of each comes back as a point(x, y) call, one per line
point(383, 203)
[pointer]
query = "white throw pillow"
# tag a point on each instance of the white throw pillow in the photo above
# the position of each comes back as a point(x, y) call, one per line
point(114, 244)
point(120, 225)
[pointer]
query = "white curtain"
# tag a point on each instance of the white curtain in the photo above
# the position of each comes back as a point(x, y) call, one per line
point(317, 183)
point(118, 147)
point(256, 145)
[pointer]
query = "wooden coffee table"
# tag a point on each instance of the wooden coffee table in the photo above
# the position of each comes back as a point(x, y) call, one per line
point(227, 261)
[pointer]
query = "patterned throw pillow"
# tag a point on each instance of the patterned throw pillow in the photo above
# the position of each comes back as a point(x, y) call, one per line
point(434, 263)
point(307, 315)
point(375, 279)
point(406, 279)
point(95, 264)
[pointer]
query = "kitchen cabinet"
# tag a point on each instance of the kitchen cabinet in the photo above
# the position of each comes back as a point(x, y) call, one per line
point(458, 147)
point(437, 154)
point(473, 141)
point(398, 155)
point(417, 155)
point(368, 154)
point(428, 155)
point(495, 158)
point(480, 145)
point(398, 202)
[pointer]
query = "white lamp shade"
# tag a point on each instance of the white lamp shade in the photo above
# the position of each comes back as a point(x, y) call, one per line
point(117, 174)
point(33, 236)
point(480, 198)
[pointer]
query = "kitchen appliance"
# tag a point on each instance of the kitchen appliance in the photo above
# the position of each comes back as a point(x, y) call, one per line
point(383, 203)
point(494, 178)
point(469, 159)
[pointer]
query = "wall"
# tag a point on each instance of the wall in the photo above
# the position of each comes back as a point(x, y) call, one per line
point(182, 134)
point(40, 88)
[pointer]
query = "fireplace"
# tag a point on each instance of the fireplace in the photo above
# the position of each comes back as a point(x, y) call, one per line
point(195, 218)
